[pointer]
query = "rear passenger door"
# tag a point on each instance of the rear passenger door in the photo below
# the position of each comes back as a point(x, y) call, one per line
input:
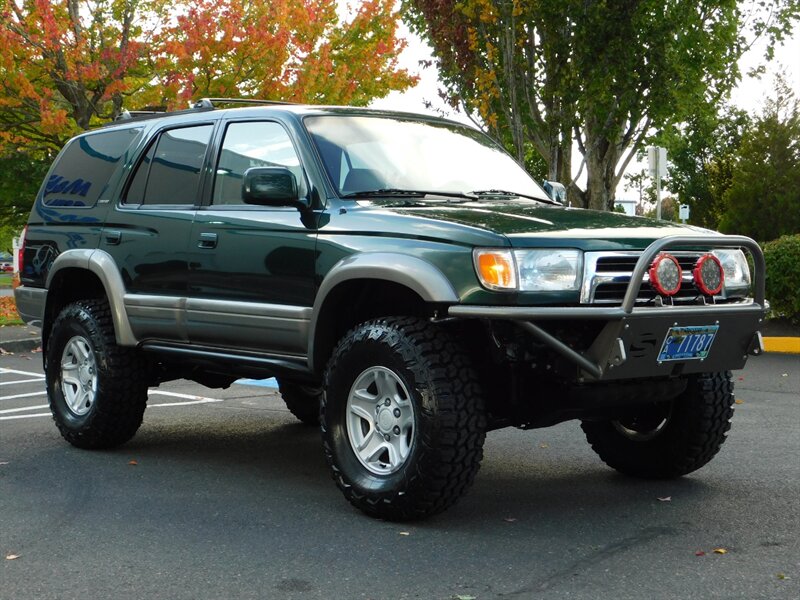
point(148, 232)
point(251, 281)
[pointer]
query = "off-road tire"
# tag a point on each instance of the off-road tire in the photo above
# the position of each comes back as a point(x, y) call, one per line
point(303, 401)
point(449, 419)
point(695, 429)
point(116, 411)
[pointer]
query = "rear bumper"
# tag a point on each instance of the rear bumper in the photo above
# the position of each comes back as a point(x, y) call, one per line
point(629, 344)
point(31, 304)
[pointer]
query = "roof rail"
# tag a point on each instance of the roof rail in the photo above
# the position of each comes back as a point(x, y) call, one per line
point(130, 114)
point(212, 102)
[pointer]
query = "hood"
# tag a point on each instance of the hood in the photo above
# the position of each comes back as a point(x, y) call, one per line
point(529, 224)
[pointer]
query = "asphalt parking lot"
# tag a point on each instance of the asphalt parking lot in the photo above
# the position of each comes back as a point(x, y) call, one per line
point(222, 494)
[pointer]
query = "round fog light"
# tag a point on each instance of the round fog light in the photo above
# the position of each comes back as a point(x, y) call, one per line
point(708, 275)
point(665, 275)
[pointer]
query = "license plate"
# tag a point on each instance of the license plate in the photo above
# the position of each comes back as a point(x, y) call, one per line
point(687, 343)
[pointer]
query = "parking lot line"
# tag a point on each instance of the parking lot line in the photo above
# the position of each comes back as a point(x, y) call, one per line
point(39, 393)
point(47, 414)
point(23, 409)
point(22, 381)
point(4, 370)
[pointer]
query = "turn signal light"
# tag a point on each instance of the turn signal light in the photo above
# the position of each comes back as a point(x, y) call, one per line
point(496, 269)
point(666, 274)
point(709, 276)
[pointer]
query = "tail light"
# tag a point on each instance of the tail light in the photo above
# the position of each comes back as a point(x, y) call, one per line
point(665, 275)
point(21, 251)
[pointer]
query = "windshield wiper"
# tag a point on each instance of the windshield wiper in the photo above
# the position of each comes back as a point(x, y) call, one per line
point(507, 194)
point(388, 192)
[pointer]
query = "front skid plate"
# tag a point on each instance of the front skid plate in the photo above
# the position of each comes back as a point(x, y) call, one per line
point(642, 338)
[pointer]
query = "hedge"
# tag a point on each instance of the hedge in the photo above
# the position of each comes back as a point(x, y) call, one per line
point(783, 276)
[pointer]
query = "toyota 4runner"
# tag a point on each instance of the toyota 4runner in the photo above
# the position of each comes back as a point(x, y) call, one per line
point(406, 281)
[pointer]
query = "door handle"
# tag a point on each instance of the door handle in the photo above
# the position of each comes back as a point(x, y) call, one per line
point(207, 241)
point(113, 237)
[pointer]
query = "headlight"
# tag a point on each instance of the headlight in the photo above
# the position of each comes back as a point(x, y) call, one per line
point(543, 270)
point(737, 273)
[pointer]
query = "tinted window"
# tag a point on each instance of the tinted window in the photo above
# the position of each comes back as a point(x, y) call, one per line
point(170, 171)
point(81, 174)
point(249, 145)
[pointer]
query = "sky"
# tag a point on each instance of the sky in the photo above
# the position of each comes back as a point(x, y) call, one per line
point(749, 94)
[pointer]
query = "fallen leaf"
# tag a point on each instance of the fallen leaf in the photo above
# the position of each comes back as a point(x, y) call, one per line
point(462, 597)
point(720, 551)
point(784, 374)
point(12, 556)
point(133, 463)
point(739, 401)
point(781, 576)
point(509, 519)
point(699, 553)
point(2, 351)
point(543, 445)
point(665, 499)
point(5, 462)
point(741, 378)
point(405, 533)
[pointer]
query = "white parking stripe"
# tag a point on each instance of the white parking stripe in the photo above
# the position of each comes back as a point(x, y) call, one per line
point(4, 370)
point(47, 414)
point(41, 393)
point(23, 409)
point(21, 381)
point(177, 395)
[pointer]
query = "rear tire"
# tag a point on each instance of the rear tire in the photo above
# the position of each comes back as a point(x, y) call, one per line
point(402, 419)
point(303, 401)
point(669, 439)
point(97, 389)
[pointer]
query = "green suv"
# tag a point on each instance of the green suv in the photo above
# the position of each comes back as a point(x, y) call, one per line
point(406, 281)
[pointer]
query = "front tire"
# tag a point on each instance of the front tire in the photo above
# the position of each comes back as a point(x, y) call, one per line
point(672, 438)
point(402, 419)
point(97, 390)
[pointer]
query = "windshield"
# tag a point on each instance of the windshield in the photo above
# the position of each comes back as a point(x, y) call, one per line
point(366, 153)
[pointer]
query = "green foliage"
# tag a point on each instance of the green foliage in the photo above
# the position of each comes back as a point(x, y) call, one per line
point(702, 154)
point(783, 276)
point(763, 200)
point(602, 74)
point(21, 174)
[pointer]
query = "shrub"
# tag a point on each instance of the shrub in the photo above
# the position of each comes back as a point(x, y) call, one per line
point(783, 276)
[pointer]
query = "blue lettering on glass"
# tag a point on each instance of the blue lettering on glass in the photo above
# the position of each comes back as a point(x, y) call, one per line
point(57, 185)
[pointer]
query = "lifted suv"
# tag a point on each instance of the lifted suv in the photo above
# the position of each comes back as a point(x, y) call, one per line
point(404, 279)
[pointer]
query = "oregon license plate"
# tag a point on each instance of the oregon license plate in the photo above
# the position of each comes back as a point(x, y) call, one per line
point(688, 343)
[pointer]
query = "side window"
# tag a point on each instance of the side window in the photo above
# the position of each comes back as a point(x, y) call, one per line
point(82, 171)
point(253, 144)
point(170, 171)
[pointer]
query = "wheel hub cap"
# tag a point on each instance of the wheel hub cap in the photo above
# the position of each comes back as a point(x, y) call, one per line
point(78, 375)
point(380, 420)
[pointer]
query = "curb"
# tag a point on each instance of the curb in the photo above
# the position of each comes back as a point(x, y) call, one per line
point(24, 345)
point(785, 345)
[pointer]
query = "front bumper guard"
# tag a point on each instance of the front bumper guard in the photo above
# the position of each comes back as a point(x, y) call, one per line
point(629, 344)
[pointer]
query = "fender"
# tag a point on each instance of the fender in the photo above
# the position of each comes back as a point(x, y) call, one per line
point(414, 273)
point(101, 264)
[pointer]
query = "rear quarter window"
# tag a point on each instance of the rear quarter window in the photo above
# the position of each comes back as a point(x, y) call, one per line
point(85, 166)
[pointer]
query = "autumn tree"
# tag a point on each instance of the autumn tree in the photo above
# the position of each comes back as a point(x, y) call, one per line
point(299, 51)
point(69, 65)
point(600, 75)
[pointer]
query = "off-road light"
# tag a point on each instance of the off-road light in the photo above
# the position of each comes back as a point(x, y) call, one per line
point(665, 275)
point(709, 276)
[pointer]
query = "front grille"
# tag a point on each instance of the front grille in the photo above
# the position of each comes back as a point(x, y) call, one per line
point(607, 274)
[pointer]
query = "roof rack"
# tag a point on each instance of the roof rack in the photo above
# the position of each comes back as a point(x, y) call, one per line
point(212, 102)
point(131, 114)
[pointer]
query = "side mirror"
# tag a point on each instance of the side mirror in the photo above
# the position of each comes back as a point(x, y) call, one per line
point(555, 190)
point(271, 186)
